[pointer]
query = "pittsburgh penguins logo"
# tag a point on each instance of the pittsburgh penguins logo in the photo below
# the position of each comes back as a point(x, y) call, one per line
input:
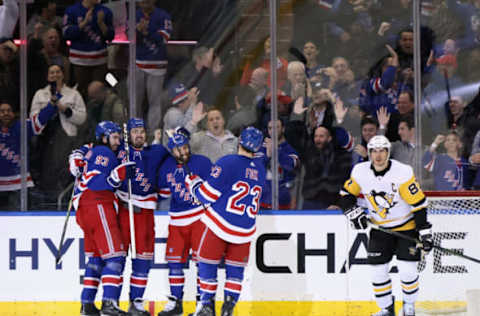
point(382, 202)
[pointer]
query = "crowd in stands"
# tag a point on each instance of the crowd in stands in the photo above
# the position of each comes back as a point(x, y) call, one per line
point(347, 76)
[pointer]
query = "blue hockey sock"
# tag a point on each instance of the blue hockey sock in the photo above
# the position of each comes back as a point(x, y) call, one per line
point(233, 283)
point(91, 279)
point(176, 279)
point(207, 273)
point(111, 278)
point(139, 277)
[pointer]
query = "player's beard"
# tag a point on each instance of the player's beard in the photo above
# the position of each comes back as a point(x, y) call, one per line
point(138, 142)
point(184, 158)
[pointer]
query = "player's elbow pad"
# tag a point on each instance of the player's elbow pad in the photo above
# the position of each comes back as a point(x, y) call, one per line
point(420, 218)
point(347, 202)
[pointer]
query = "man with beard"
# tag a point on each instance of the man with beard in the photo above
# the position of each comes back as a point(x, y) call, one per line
point(144, 200)
point(96, 213)
point(326, 168)
point(184, 228)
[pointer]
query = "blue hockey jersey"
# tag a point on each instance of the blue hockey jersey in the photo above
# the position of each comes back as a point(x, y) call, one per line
point(287, 161)
point(378, 92)
point(100, 161)
point(10, 179)
point(449, 174)
point(147, 161)
point(233, 189)
point(171, 183)
point(88, 45)
point(152, 47)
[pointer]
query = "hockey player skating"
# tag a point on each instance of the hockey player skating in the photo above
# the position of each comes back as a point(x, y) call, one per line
point(233, 191)
point(144, 199)
point(185, 228)
point(96, 206)
point(396, 202)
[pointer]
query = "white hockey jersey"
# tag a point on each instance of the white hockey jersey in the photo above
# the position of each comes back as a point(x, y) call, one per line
point(391, 196)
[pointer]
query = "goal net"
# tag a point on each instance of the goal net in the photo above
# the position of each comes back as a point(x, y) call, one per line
point(450, 284)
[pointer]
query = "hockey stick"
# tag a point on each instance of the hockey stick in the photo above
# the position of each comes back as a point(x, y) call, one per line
point(133, 248)
point(112, 81)
point(59, 256)
point(417, 241)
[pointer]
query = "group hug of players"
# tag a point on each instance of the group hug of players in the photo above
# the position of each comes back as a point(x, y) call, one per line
point(212, 216)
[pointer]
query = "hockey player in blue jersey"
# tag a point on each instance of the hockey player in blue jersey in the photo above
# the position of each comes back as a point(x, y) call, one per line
point(96, 206)
point(185, 228)
point(232, 195)
point(144, 199)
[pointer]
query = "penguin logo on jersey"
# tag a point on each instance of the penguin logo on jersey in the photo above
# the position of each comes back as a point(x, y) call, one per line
point(382, 202)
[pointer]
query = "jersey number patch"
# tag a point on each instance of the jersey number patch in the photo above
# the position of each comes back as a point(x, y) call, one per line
point(235, 204)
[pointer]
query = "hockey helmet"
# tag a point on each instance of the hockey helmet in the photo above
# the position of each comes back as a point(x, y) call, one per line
point(251, 139)
point(177, 140)
point(105, 128)
point(379, 142)
point(134, 123)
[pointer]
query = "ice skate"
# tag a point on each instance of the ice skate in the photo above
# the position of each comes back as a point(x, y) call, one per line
point(174, 307)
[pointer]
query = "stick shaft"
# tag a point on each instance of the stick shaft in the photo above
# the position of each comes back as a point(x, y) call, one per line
point(133, 248)
point(59, 256)
point(415, 240)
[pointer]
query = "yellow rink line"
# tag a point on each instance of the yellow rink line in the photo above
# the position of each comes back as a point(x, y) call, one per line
point(255, 308)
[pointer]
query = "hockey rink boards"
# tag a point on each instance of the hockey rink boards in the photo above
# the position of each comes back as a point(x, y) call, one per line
point(298, 266)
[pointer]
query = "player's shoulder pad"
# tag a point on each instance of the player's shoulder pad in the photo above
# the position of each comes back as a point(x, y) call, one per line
point(103, 150)
point(401, 171)
point(360, 169)
point(200, 158)
point(226, 159)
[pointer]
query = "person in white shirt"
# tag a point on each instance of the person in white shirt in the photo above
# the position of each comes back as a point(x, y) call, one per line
point(8, 17)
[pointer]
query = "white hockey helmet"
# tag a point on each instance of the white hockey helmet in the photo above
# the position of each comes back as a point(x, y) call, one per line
point(379, 142)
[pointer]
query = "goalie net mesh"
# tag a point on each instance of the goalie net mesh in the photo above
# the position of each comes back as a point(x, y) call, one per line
point(448, 212)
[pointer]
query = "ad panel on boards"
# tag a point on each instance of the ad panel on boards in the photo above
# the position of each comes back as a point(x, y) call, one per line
point(301, 257)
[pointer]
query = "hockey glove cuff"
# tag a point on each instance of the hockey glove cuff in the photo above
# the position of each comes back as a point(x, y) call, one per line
point(192, 182)
point(358, 218)
point(124, 171)
point(76, 164)
point(426, 237)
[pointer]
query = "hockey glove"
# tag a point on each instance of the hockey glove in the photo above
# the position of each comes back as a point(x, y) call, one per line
point(192, 182)
point(124, 171)
point(76, 163)
point(358, 218)
point(426, 237)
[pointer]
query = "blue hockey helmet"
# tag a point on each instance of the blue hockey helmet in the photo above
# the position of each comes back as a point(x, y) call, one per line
point(105, 128)
point(251, 139)
point(134, 123)
point(177, 140)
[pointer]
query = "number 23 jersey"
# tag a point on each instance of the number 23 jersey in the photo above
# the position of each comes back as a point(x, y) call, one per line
point(233, 189)
point(392, 196)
